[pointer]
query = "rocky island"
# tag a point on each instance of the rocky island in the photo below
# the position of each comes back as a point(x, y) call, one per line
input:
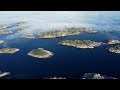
point(21, 29)
point(30, 36)
point(4, 26)
point(113, 41)
point(9, 50)
point(57, 33)
point(96, 76)
point(21, 23)
point(80, 43)
point(67, 31)
point(2, 41)
point(2, 74)
point(114, 49)
point(5, 32)
point(55, 78)
point(40, 53)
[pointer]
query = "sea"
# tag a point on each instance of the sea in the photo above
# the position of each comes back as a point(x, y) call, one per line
point(67, 61)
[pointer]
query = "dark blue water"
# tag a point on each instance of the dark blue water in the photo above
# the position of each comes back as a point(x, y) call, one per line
point(67, 61)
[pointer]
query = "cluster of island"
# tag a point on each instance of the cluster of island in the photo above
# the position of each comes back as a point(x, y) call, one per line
point(63, 32)
point(4, 27)
point(42, 53)
point(85, 76)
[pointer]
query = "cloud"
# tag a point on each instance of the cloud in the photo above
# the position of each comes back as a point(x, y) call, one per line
point(46, 20)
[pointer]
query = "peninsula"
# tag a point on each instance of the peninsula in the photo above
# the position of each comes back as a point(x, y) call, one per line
point(40, 53)
point(57, 33)
point(80, 43)
point(9, 50)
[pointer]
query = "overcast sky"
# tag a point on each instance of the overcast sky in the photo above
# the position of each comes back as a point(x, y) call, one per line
point(54, 18)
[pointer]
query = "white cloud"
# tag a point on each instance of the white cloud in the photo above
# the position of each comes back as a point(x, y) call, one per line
point(45, 20)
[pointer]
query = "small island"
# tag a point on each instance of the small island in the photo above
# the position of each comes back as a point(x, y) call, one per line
point(87, 30)
point(2, 41)
point(113, 41)
point(2, 74)
point(21, 23)
point(9, 50)
point(80, 43)
point(55, 78)
point(5, 32)
point(57, 33)
point(40, 53)
point(30, 36)
point(96, 76)
point(21, 29)
point(114, 49)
